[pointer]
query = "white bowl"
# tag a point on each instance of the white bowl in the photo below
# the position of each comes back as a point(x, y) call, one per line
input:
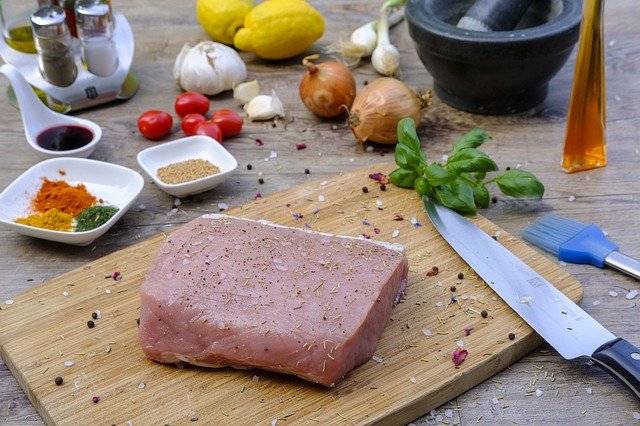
point(116, 185)
point(189, 148)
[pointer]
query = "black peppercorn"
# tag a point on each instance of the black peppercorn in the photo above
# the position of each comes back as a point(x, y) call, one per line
point(452, 288)
point(94, 315)
point(58, 380)
point(90, 324)
point(260, 181)
point(249, 167)
point(383, 187)
point(365, 189)
point(494, 199)
point(460, 275)
point(512, 336)
point(484, 314)
point(306, 171)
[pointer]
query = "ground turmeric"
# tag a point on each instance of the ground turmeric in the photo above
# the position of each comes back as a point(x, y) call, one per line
point(58, 194)
point(51, 219)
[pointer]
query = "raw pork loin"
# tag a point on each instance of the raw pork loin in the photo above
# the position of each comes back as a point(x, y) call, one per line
point(225, 291)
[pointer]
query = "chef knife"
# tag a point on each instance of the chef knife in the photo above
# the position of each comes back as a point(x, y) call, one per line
point(563, 324)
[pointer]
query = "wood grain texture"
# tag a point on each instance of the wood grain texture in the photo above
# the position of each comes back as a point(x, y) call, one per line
point(47, 327)
point(608, 197)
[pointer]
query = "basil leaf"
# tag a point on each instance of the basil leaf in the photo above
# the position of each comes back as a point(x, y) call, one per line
point(471, 160)
point(472, 139)
point(479, 177)
point(403, 178)
point(423, 187)
point(438, 175)
point(481, 196)
point(520, 184)
point(406, 158)
point(407, 134)
point(457, 196)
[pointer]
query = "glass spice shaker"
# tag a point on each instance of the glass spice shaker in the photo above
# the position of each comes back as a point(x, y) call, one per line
point(53, 44)
point(95, 30)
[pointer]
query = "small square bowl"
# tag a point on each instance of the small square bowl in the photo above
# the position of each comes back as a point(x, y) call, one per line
point(116, 185)
point(189, 148)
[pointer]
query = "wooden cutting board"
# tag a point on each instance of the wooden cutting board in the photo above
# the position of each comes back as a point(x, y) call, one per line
point(45, 330)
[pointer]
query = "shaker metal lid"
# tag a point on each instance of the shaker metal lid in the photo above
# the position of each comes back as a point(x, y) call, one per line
point(93, 17)
point(49, 21)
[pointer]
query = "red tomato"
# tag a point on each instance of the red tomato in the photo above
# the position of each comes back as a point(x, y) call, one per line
point(154, 124)
point(189, 123)
point(229, 121)
point(209, 128)
point(191, 103)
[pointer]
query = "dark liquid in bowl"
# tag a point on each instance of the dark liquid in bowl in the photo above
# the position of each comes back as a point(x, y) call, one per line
point(64, 138)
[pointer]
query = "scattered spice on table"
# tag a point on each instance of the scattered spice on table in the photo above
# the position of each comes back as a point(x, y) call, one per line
point(94, 217)
point(53, 219)
point(187, 171)
point(59, 194)
point(484, 314)
point(91, 324)
point(59, 380)
point(460, 275)
point(512, 336)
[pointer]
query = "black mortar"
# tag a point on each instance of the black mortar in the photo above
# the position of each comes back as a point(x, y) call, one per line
point(496, 72)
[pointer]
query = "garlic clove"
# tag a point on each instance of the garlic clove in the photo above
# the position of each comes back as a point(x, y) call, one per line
point(246, 91)
point(264, 107)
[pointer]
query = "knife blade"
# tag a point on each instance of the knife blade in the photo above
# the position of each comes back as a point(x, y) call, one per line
point(563, 324)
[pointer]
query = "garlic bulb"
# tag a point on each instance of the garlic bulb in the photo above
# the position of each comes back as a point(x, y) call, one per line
point(264, 107)
point(209, 68)
point(246, 91)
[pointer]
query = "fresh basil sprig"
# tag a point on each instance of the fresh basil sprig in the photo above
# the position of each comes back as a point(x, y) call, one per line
point(461, 182)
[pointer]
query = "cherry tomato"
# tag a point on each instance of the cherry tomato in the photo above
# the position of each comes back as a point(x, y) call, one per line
point(189, 123)
point(191, 103)
point(229, 121)
point(155, 124)
point(209, 128)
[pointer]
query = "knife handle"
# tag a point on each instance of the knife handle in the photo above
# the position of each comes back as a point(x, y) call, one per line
point(622, 360)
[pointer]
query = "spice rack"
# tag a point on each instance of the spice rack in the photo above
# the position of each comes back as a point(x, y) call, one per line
point(88, 90)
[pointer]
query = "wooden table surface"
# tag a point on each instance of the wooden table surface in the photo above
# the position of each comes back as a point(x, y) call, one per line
point(573, 391)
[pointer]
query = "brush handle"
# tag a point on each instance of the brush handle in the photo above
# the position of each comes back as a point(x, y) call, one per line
point(623, 263)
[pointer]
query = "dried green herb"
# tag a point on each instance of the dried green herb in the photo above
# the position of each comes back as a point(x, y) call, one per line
point(93, 217)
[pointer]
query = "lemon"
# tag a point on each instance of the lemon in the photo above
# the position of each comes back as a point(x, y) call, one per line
point(279, 29)
point(222, 18)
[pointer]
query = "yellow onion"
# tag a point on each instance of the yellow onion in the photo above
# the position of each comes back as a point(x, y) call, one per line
point(378, 108)
point(327, 89)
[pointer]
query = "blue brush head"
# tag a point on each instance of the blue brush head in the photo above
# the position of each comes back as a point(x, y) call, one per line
point(571, 241)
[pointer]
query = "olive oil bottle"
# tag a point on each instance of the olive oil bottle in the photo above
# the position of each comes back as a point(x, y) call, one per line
point(20, 38)
point(585, 138)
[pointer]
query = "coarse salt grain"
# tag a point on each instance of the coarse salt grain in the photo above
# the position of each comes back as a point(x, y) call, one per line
point(324, 183)
point(539, 392)
point(65, 293)
point(613, 293)
point(98, 314)
point(377, 359)
point(632, 294)
point(571, 198)
point(460, 343)
point(142, 385)
point(589, 391)
point(636, 415)
point(177, 202)
point(9, 302)
point(449, 413)
point(273, 155)
point(596, 302)
point(395, 233)
point(495, 401)
point(223, 206)
point(274, 422)
point(68, 363)
point(368, 149)
point(413, 380)
point(107, 291)
point(321, 198)
point(427, 332)
point(379, 203)
point(255, 379)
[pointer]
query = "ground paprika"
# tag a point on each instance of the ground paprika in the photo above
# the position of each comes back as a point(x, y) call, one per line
point(58, 194)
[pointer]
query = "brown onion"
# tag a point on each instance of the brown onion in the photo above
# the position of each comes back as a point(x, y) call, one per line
point(327, 89)
point(379, 107)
